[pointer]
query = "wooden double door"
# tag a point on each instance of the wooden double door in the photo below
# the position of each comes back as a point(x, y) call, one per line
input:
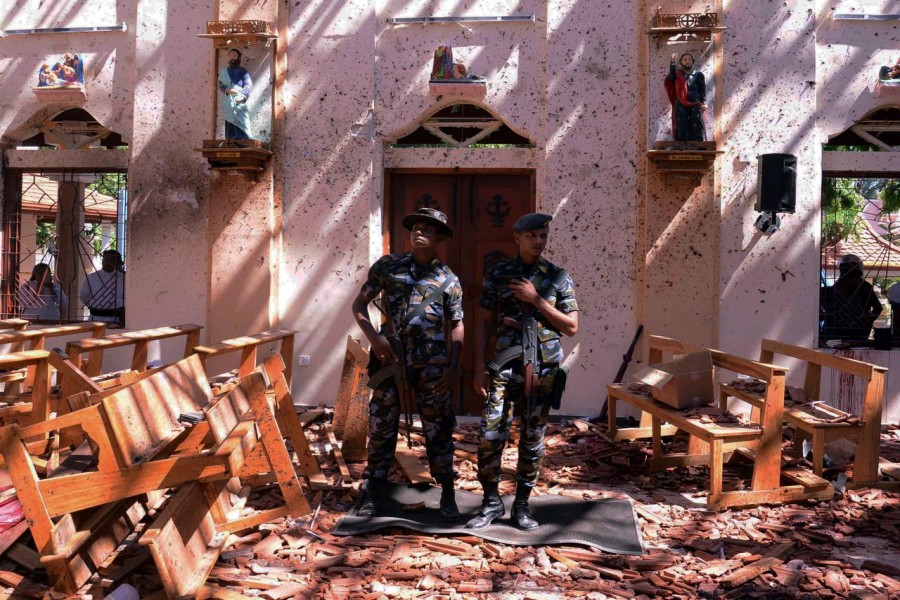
point(481, 208)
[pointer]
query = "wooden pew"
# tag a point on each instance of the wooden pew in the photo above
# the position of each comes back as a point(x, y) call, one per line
point(824, 423)
point(710, 441)
point(37, 403)
point(36, 339)
point(13, 324)
point(94, 348)
point(278, 372)
point(351, 409)
point(140, 446)
point(248, 345)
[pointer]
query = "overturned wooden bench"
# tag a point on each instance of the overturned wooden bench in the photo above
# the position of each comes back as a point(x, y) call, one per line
point(139, 445)
point(819, 421)
point(278, 371)
point(87, 354)
point(714, 435)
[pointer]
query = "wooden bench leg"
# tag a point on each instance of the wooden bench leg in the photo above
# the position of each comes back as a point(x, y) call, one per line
point(287, 419)
point(715, 467)
point(611, 415)
point(697, 446)
point(723, 400)
point(865, 465)
point(656, 424)
point(273, 443)
point(818, 457)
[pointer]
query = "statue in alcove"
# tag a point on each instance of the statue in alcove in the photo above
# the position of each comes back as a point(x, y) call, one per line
point(891, 74)
point(686, 88)
point(444, 69)
point(68, 72)
point(235, 84)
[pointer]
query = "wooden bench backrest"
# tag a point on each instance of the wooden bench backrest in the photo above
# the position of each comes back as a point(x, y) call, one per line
point(139, 339)
point(14, 324)
point(38, 336)
point(247, 345)
point(660, 345)
point(144, 416)
point(816, 360)
point(770, 348)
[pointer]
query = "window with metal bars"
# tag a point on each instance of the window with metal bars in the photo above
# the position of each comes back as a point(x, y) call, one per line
point(59, 228)
point(860, 260)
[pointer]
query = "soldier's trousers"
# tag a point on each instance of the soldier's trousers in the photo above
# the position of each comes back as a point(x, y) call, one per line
point(438, 421)
point(507, 389)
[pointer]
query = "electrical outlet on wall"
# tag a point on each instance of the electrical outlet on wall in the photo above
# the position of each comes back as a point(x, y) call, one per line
point(304, 360)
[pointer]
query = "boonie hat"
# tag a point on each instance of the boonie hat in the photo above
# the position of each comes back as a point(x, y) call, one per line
point(429, 215)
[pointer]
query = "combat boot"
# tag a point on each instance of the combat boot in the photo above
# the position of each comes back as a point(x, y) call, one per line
point(370, 501)
point(520, 516)
point(448, 511)
point(491, 507)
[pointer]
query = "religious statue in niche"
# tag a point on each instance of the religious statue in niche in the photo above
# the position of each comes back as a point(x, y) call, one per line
point(890, 75)
point(686, 88)
point(65, 73)
point(444, 69)
point(235, 85)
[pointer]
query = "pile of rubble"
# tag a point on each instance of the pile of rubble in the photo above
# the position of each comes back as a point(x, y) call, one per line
point(844, 548)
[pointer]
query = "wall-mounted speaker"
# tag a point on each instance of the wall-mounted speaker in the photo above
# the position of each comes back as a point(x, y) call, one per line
point(776, 189)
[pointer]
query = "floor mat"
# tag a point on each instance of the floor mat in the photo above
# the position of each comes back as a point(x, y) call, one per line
point(609, 524)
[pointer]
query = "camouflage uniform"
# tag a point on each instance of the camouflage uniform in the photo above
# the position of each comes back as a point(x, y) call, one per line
point(406, 284)
point(506, 387)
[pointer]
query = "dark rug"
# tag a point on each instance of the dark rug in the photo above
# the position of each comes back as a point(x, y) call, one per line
point(609, 524)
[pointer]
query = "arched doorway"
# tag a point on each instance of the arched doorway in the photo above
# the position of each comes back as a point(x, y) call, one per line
point(481, 203)
point(61, 211)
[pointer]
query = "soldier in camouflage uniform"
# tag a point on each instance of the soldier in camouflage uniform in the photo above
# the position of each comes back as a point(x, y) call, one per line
point(423, 296)
point(530, 283)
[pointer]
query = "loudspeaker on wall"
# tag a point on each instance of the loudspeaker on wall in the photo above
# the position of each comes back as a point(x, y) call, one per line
point(776, 189)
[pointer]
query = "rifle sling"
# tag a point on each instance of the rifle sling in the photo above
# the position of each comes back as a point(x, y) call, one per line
point(394, 370)
point(433, 295)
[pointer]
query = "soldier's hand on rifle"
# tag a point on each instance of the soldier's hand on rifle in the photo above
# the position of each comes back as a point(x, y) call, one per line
point(382, 349)
point(524, 290)
point(481, 382)
point(445, 383)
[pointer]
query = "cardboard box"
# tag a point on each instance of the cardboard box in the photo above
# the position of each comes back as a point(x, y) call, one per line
point(685, 381)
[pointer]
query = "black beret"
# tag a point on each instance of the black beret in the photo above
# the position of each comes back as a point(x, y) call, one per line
point(532, 221)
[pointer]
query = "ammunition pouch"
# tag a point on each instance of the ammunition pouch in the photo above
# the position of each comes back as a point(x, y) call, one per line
point(560, 377)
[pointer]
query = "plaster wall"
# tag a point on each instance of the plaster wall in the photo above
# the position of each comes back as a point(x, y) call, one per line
point(109, 73)
point(679, 216)
point(168, 272)
point(549, 80)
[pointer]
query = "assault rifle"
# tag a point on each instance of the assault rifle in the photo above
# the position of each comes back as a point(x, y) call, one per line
point(396, 369)
point(626, 359)
point(527, 351)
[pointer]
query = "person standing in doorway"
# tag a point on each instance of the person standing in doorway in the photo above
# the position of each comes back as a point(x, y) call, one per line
point(526, 286)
